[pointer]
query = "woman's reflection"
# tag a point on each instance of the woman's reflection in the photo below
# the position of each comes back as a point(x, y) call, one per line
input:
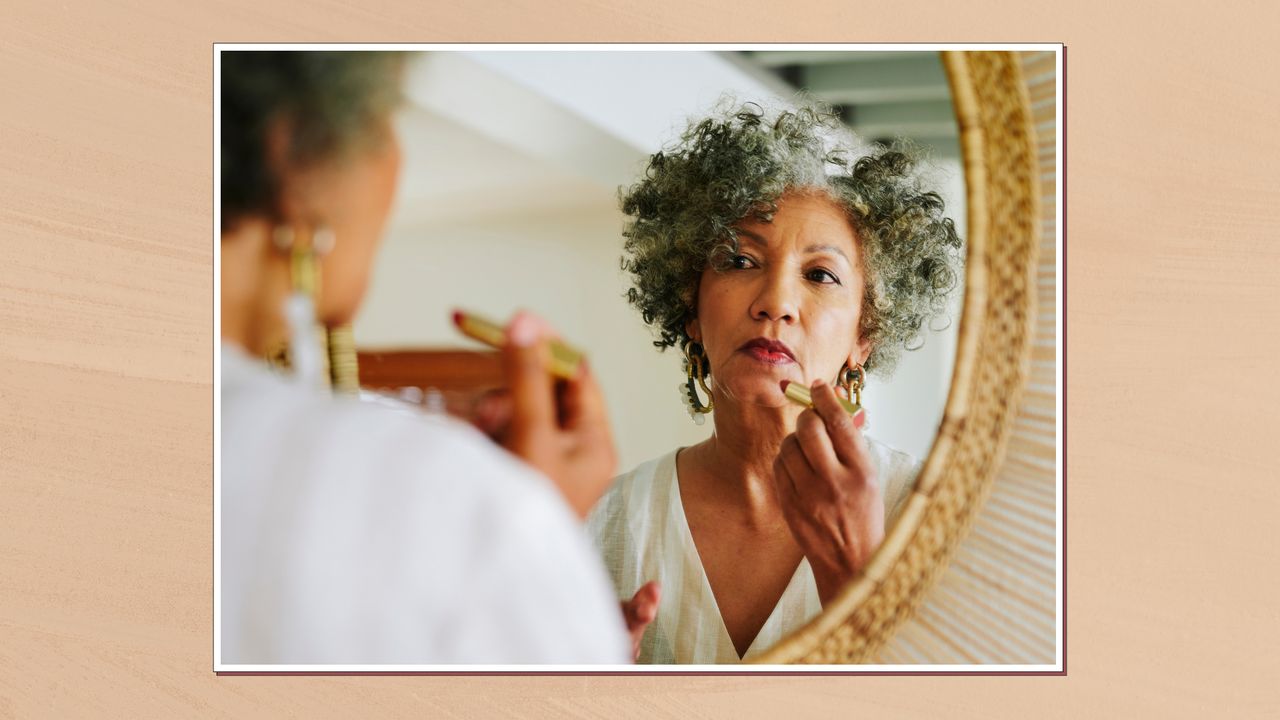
point(771, 247)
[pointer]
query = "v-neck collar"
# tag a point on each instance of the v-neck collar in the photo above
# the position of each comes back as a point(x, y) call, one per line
point(770, 632)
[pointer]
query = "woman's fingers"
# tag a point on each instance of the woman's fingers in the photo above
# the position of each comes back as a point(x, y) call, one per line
point(784, 486)
point(811, 433)
point(582, 403)
point(492, 413)
point(797, 467)
point(639, 611)
point(585, 425)
point(642, 608)
point(524, 360)
point(558, 427)
point(846, 440)
point(830, 497)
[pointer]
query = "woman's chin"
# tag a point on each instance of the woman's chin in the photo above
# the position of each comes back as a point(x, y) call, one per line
point(761, 391)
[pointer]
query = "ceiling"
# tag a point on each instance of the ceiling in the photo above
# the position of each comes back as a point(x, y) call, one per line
point(497, 133)
point(881, 95)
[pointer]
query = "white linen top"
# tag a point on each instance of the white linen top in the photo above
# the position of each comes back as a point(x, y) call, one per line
point(640, 528)
point(357, 533)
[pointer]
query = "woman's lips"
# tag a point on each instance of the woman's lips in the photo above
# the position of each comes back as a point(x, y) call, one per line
point(768, 351)
point(773, 358)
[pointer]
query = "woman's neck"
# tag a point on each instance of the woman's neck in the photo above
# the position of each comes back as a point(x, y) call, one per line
point(736, 462)
point(255, 282)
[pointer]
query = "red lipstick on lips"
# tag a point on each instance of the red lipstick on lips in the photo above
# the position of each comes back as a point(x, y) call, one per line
point(769, 351)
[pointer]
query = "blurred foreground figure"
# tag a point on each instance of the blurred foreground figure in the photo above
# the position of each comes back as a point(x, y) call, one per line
point(354, 533)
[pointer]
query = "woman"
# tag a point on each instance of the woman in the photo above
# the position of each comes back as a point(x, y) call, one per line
point(772, 249)
point(351, 532)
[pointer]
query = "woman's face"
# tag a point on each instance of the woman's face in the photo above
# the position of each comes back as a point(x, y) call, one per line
point(354, 198)
point(788, 305)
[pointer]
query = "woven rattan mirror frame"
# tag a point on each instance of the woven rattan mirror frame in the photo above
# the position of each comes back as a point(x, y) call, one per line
point(993, 111)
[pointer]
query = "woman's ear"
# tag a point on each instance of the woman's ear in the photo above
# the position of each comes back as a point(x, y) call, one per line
point(693, 329)
point(861, 352)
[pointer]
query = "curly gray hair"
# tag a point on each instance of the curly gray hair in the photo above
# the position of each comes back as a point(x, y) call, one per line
point(738, 163)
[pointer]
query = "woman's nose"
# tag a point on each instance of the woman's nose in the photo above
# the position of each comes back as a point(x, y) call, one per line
point(776, 299)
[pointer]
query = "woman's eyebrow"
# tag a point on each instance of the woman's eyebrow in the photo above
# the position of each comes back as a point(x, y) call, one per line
point(827, 248)
point(760, 240)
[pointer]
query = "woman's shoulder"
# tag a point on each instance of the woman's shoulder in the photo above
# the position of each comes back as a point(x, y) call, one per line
point(390, 496)
point(420, 446)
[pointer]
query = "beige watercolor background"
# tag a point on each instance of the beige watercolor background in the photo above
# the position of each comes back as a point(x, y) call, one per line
point(106, 350)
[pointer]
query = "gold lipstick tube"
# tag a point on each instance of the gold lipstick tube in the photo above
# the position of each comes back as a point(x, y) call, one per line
point(564, 359)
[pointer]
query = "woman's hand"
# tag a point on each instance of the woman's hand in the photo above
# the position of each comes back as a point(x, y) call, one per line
point(491, 414)
point(639, 611)
point(558, 426)
point(829, 492)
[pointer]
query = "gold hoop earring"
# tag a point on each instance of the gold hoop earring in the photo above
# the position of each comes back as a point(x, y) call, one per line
point(696, 372)
point(852, 380)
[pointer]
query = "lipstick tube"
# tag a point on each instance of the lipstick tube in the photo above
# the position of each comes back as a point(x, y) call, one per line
point(798, 393)
point(564, 359)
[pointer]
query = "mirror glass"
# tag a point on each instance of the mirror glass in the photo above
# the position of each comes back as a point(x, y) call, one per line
point(509, 198)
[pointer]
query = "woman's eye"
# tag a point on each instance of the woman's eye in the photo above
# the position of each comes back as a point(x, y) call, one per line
point(822, 276)
point(741, 262)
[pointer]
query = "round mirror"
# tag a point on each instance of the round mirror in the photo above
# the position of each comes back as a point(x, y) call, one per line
point(987, 499)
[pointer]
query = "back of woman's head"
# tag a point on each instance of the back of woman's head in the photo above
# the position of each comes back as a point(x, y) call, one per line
point(329, 104)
